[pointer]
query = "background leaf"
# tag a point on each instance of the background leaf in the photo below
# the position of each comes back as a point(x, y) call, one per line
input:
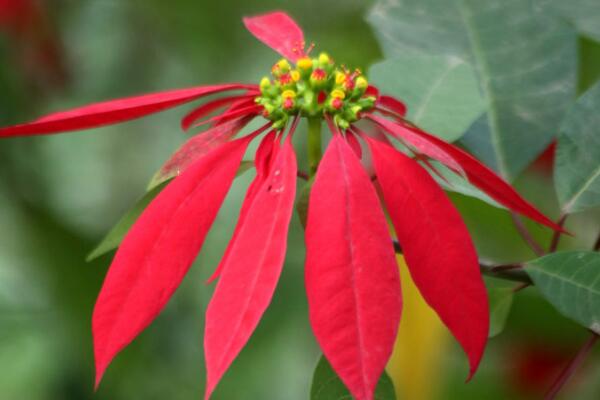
point(584, 14)
point(429, 86)
point(326, 385)
point(577, 172)
point(571, 282)
point(526, 62)
point(500, 296)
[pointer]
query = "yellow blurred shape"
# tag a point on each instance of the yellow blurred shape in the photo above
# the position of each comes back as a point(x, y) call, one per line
point(415, 365)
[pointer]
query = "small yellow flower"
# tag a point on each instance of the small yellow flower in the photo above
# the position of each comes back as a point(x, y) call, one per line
point(340, 77)
point(304, 63)
point(338, 94)
point(361, 83)
point(265, 83)
point(324, 59)
point(295, 75)
point(283, 65)
point(288, 94)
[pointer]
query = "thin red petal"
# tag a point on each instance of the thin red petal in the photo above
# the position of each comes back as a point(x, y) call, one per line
point(197, 113)
point(476, 172)
point(278, 31)
point(423, 145)
point(352, 280)
point(114, 111)
point(264, 154)
point(437, 247)
point(393, 104)
point(238, 112)
point(354, 144)
point(198, 146)
point(159, 249)
point(253, 267)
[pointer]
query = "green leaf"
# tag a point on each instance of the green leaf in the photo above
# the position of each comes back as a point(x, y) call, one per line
point(526, 62)
point(326, 385)
point(302, 203)
point(570, 281)
point(500, 295)
point(115, 236)
point(453, 182)
point(584, 14)
point(429, 85)
point(577, 172)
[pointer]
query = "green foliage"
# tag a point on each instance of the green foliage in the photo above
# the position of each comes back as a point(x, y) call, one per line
point(583, 14)
point(327, 386)
point(571, 282)
point(500, 295)
point(429, 86)
point(577, 170)
point(526, 62)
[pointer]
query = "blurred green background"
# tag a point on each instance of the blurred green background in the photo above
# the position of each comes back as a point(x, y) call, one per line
point(60, 194)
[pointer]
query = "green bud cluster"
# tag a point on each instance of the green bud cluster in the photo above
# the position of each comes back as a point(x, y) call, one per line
point(314, 88)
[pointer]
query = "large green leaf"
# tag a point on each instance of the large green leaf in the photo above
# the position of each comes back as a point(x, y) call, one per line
point(584, 14)
point(571, 282)
point(577, 172)
point(326, 385)
point(429, 86)
point(526, 62)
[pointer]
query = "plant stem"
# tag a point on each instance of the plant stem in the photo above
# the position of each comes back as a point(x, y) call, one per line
point(314, 144)
point(526, 235)
point(570, 369)
point(557, 234)
point(509, 272)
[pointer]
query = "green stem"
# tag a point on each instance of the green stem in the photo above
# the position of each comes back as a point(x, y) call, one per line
point(314, 144)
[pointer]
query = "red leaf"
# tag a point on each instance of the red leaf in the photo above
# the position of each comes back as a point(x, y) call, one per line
point(352, 278)
point(354, 144)
point(437, 247)
point(393, 104)
point(417, 141)
point(264, 154)
point(476, 172)
point(253, 268)
point(205, 109)
point(114, 111)
point(232, 114)
point(159, 249)
point(278, 31)
point(198, 146)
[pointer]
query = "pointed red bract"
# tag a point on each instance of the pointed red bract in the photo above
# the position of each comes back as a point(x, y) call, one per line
point(278, 31)
point(393, 104)
point(193, 116)
point(437, 247)
point(114, 111)
point(159, 249)
point(198, 146)
point(352, 280)
point(476, 172)
point(262, 162)
point(422, 145)
point(253, 267)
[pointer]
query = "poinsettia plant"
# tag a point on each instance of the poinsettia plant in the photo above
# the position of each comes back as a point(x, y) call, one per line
point(377, 163)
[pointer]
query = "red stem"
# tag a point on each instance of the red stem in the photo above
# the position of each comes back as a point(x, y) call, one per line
point(557, 234)
point(526, 235)
point(570, 369)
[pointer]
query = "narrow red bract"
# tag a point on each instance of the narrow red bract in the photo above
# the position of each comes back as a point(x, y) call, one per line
point(198, 146)
point(262, 160)
point(159, 249)
point(278, 31)
point(253, 267)
point(352, 280)
point(112, 112)
point(200, 112)
point(437, 247)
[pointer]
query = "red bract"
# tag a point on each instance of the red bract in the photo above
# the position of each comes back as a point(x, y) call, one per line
point(352, 279)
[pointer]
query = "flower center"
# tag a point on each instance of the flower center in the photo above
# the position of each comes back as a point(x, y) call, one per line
point(314, 88)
